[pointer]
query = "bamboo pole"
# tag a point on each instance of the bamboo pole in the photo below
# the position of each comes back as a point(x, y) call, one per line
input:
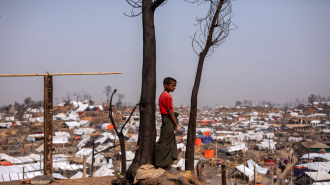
point(57, 74)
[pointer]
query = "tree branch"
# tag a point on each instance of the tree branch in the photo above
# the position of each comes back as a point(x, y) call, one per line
point(121, 130)
point(157, 3)
point(110, 112)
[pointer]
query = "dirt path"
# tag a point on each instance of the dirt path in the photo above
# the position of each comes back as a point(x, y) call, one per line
point(286, 171)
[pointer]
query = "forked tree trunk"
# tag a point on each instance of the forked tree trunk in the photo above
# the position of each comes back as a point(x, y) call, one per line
point(147, 131)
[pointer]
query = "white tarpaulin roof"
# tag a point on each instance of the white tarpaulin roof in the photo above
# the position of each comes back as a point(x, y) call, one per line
point(313, 155)
point(72, 124)
point(82, 108)
point(20, 160)
point(318, 166)
point(104, 171)
point(318, 176)
point(182, 146)
point(97, 159)
point(83, 152)
point(129, 155)
point(321, 183)
point(62, 134)
point(59, 176)
point(60, 139)
point(259, 169)
point(237, 148)
point(295, 139)
point(6, 125)
point(134, 138)
point(101, 148)
point(84, 123)
point(248, 172)
point(83, 131)
point(78, 175)
point(182, 165)
point(265, 144)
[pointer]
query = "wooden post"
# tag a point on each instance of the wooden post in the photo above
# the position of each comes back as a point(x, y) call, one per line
point(48, 125)
point(93, 160)
point(223, 174)
point(40, 163)
point(216, 149)
point(84, 166)
point(199, 170)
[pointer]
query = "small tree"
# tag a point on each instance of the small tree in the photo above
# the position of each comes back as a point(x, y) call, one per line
point(119, 103)
point(120, 134)
point(214, 29)
point(107, 92)
point(312, 98)
point(238, 103)
point(77, 94)
point(28, 101)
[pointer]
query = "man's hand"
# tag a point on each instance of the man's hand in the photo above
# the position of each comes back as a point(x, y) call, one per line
point(171, 114)
point(176, 130)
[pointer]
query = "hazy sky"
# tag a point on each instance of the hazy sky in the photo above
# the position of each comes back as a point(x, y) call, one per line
point(279, 52)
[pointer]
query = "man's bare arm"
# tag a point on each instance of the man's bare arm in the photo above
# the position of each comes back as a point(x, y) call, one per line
point(171, 114)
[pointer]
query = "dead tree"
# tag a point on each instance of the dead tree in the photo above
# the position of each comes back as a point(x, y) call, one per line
point(214, 29)
point(147, 107)
point(120, 134)
point(107, 92)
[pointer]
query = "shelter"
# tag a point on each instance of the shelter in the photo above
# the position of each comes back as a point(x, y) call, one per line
point(205, 139)
point(83, 131)
point(181, 164)
point(107, 126)
point(248, 172)
point(70, 125)
point(320, 176)
point(251, 164)
point(315, 146)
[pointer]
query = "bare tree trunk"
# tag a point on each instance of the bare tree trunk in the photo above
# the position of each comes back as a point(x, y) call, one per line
point(147, 130)
point(123, 153)
point(189, 161)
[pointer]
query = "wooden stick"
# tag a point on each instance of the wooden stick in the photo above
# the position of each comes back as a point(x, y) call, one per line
point(57, 74)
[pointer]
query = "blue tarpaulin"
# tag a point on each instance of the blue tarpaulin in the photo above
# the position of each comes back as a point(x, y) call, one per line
point(204, 139)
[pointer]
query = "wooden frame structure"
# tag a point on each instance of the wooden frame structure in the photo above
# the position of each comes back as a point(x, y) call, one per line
point(48, 112)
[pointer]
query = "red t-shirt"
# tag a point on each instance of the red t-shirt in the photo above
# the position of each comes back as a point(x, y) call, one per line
point(165, 102)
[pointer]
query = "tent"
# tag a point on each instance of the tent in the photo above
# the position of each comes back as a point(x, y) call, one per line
point(134, 138)
point(182, 162)
point(78, 175)
point(83, 152)
point(205, 139)
point(182, 146)
point(104, 171)
point(72, 124)
point(83, 131)
point(107, 126)
point(259, 169)
point(99, 126)
point(248, 172)
point(129, 155)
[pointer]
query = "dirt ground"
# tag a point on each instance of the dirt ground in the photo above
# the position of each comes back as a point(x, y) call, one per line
point(83, 181)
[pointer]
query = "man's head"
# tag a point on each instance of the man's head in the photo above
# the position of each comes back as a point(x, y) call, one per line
point(169, 84)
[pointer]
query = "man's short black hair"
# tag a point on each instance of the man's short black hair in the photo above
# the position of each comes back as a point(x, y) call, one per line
point(168, 80)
